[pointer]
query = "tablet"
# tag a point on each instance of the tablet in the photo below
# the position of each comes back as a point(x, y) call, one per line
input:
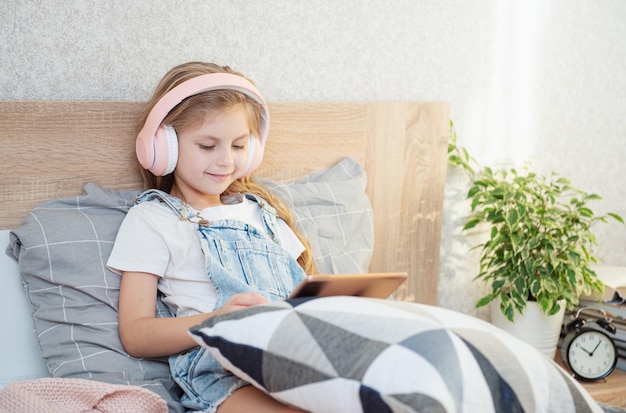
point(376, 285)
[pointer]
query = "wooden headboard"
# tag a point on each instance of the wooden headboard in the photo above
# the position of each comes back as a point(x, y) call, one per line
point(51, 149)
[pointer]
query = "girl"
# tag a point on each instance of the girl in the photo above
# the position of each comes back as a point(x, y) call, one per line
point(205, 235)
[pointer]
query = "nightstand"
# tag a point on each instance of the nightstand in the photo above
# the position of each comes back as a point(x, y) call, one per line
point(611, 390)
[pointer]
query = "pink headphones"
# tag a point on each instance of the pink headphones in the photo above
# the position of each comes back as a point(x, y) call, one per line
point(157, 145)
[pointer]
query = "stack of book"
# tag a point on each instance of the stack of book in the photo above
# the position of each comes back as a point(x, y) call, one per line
point(613, 303)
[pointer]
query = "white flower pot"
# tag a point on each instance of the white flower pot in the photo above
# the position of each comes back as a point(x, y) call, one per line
point(533, 326)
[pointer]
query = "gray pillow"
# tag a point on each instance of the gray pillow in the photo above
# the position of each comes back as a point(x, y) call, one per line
point(334, 214)
point(62, 248)
point(63, 245)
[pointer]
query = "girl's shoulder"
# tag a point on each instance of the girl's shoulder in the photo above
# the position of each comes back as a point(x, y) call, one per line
point(153, 210)
point(156, 220)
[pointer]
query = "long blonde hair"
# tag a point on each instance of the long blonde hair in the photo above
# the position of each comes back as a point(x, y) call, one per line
point(192, 110)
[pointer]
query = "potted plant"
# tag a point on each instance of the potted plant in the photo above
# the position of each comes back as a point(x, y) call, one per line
point(540, 246)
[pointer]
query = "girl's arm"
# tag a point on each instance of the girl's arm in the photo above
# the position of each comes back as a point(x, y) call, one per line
point(145, 335)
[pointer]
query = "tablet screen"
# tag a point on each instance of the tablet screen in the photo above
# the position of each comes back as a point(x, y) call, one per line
point(376, 285)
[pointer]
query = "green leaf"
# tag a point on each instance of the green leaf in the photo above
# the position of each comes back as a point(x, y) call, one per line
point(512, 217)
point(454, 159)
point(494, 235)
point(593, 197)
point(556, 307)
point(497, 193)
point(496, 285)
point(516, 240)
point(509, 312)
point(484, 301)
point(471, 223)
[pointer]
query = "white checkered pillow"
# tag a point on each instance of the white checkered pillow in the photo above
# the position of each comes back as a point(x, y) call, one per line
point(350, 354)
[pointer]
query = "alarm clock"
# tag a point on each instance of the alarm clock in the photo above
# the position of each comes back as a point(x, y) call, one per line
point(589, 352)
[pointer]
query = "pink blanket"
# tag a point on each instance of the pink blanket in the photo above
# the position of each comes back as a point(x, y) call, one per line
point(52, 395)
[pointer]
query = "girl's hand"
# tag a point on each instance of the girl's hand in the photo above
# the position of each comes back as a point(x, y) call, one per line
point(241, 301)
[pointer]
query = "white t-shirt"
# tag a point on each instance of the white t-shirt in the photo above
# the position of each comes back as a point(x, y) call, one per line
point(154, 240)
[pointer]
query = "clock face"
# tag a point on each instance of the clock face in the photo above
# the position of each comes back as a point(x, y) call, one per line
point(591, 354)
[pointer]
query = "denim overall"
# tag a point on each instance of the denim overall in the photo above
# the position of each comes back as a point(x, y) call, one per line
point(239, 258)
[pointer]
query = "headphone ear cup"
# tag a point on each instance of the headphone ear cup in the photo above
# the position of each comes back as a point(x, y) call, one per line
point(144, 146)
point(251, 151)
point(255, 155)
point(165, 151)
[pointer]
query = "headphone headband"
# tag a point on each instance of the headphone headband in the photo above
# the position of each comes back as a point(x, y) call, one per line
point(149, 141)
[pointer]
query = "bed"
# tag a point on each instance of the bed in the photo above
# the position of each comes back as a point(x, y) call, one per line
point(375, 172)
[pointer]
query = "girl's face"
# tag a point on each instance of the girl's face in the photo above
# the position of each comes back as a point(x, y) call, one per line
point(211, 155)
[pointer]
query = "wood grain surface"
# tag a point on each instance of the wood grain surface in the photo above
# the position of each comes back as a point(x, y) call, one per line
point(51, 149)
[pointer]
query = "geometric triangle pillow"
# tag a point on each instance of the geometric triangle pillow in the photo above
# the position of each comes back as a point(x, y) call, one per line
point(354, 354)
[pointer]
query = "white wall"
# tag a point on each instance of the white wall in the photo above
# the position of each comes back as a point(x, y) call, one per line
point(526, 79)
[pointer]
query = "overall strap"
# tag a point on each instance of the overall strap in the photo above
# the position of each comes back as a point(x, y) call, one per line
point(186, 213)
point(180, 208)
point(269, 216)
